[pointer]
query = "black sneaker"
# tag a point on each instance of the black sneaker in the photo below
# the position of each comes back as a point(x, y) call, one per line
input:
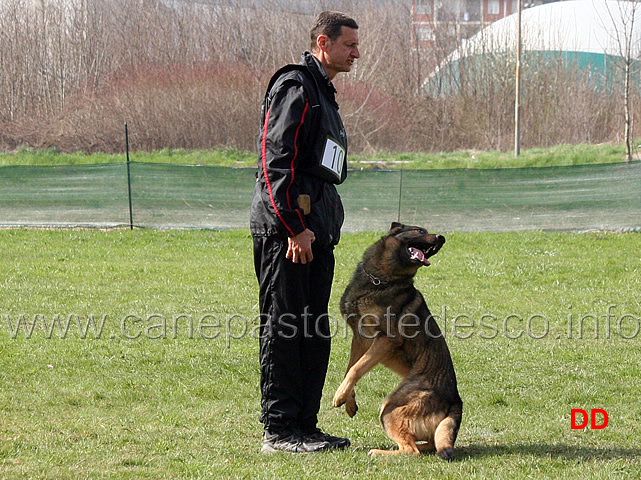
point(334, 442)
point(292, 442)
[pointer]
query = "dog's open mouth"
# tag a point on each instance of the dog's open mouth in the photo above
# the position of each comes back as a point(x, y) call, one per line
point(421, 256)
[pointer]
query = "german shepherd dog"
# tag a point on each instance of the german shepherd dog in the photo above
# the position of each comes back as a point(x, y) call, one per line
point(392, 325)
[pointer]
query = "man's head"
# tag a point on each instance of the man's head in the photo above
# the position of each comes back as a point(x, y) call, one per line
point(334, 38)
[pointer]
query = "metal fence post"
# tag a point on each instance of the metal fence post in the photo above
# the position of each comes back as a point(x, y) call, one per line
point(131, 213)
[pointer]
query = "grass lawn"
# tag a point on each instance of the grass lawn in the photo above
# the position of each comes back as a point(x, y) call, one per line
point(559, 155)
point(150, 370)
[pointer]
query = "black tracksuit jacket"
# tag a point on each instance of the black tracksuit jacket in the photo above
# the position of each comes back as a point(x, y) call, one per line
point(299, 113)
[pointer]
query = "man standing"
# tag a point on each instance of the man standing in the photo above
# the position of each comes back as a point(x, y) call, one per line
point(296, 216)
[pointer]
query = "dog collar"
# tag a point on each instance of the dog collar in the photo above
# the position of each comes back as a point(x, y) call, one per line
point(373, 280)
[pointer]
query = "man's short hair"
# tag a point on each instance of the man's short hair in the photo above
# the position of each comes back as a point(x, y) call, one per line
point(330, 24)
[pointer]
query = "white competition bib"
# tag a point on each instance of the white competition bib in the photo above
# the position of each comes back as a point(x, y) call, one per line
point(333, 157)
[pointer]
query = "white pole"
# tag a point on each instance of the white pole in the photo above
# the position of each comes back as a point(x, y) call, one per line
point(517, 102)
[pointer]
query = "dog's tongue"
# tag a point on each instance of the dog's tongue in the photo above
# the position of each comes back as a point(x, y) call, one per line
point(416, 254)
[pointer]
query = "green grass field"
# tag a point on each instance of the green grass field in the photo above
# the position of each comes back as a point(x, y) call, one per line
point(555, 156)
point(131, 355)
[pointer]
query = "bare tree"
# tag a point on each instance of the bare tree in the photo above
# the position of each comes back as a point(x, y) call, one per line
point(191, 74)
point(623, 17)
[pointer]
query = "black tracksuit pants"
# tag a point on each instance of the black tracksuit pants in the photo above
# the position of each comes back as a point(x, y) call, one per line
point(294, 333)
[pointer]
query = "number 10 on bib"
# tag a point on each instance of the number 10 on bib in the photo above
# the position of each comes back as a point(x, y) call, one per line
point(333, 157)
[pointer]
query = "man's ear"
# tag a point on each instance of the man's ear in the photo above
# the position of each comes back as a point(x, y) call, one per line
point(322, 41)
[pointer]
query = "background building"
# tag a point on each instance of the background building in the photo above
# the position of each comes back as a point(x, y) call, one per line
point(459, 19)
point(585, 37)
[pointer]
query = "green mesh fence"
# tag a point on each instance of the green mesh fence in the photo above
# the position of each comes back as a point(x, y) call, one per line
point(595, 197)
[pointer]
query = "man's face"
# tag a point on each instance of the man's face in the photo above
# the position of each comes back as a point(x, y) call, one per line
point(341, 53)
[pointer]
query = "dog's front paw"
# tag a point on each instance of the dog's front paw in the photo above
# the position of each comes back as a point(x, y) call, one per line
point(339, 399)
point(346, 398)
point(350, 405)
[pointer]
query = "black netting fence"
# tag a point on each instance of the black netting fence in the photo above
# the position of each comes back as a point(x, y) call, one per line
point(594, 197)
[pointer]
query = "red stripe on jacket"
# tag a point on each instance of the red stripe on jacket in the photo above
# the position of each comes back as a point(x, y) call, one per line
point(264, 162)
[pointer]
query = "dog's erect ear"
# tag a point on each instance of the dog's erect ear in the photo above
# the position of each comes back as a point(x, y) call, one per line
point(396, 227)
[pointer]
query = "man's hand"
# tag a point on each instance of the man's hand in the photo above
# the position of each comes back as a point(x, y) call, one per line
point(299, 248)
